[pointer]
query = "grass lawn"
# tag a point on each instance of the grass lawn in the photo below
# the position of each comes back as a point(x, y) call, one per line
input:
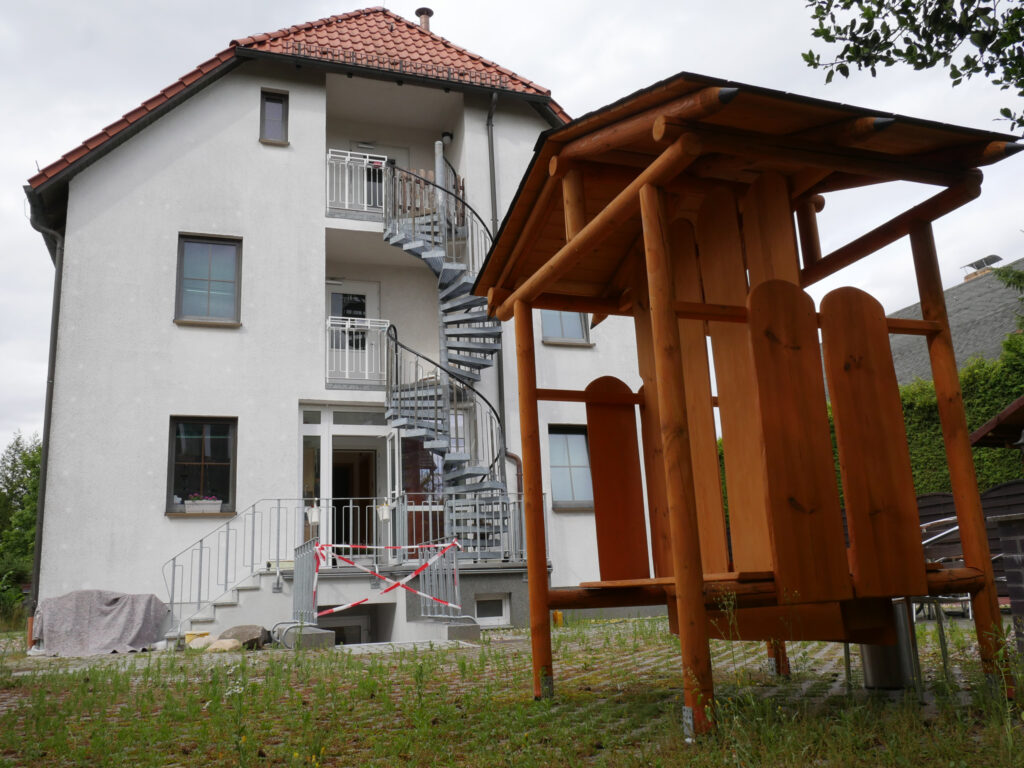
point(618, 702)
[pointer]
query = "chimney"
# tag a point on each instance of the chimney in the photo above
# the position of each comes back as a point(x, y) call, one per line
point(424, 15)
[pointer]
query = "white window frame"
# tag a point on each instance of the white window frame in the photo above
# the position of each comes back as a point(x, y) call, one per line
point(572, 341)
point(494, 621)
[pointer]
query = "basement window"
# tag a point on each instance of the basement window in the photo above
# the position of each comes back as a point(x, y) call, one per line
point(492, 610)
point(274, 117)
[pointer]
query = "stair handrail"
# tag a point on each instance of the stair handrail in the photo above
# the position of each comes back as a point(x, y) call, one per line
point(478, 239)
point(222, 558)
point(496, 465)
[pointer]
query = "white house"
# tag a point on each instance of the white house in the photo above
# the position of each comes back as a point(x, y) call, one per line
point(262, 297)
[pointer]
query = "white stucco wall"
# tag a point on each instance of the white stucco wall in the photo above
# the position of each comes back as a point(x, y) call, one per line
point(124, 368)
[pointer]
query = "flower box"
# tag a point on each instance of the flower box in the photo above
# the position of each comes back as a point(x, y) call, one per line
point(202, 507)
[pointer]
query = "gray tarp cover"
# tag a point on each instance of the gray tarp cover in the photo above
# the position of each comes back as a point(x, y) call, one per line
point(91, 621)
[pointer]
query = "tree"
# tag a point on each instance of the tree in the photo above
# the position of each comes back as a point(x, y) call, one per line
point(966, 37)
point(1013, 279)
point(19, 491)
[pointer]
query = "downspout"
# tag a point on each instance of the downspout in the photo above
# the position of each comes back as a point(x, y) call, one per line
point(51, 363)
point(500, 357)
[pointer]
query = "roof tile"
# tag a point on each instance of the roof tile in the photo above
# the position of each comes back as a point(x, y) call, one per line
point(376, 38)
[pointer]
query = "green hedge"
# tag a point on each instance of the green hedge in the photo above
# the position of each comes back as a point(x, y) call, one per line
point(988, 387)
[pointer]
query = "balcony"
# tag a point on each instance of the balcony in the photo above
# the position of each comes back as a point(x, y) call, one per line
point(355, 183)
point(356, 351)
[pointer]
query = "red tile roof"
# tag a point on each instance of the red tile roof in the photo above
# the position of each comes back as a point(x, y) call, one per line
point(373, 38)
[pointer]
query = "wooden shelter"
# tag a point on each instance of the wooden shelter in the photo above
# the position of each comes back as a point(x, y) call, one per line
point(691, 207)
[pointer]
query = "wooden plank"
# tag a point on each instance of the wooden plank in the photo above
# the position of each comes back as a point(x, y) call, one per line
point(768, 235)
point(587, 396)
point(724, 279)
point(829, 622)
point(615, 475)
point(650, 427)
point(803, 500)
point(663, 168)
point(962, 478)
point(698, 685)
point(885, 554)
point(533, 502)
point(714, 545)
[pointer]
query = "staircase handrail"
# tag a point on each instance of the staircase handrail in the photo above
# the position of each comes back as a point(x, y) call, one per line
point(462, 201)
point(496, 461)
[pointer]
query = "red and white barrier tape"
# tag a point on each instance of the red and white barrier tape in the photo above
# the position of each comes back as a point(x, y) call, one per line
point(322, 552)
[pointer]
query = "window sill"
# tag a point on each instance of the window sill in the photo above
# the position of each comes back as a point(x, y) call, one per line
point(170, 513)
point(274, 143)
point(207, 323)
point(572, 506)
point(567, 343)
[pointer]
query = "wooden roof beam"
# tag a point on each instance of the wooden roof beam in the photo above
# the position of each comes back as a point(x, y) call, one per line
point(692, 106)
point(972, 155)
point(664, 168)
point(845, 132)
point(900, 226)
point(781, 148)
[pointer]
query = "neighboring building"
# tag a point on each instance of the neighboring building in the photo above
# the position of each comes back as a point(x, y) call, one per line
point(263, 277)
point(982, 312)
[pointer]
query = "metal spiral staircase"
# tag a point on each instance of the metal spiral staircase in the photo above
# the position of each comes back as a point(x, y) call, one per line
point(435, 400)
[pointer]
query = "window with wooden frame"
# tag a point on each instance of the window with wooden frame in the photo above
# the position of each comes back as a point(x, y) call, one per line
point(274, 117)
point(202, 461)
point(209, 280)
point(569, 459)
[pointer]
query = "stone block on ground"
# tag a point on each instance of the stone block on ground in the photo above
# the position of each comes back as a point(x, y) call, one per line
point(308, 637)
point(251, 636)
point(219, 646)
point(201, 642)
point(469, 633)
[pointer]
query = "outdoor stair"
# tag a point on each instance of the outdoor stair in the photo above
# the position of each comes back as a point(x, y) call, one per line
point(471, 339)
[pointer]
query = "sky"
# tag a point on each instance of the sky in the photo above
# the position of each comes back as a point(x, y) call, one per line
point(71, 67)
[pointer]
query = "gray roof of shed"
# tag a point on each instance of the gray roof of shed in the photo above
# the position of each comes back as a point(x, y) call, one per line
point(981, 311)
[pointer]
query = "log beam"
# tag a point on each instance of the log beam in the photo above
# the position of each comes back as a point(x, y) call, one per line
point(698, 686)
point(826, 156)
point(533, 502)
point(969, 513)
point(692, 106)
point(667, 166)
point(900, 226)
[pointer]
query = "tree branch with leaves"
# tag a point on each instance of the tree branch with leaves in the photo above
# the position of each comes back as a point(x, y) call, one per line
point(965, 37)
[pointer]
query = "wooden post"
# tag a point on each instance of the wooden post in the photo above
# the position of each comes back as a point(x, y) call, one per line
point(533, 501)
point(698, 686)
point(962, 478)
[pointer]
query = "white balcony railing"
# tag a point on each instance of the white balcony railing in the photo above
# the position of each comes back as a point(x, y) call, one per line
point(356, 349)
point(355, 181)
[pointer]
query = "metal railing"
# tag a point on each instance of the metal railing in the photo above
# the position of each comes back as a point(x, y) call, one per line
point(423, 210)
point(423, 396)
point(355, 181)
point(304, 584)
point(260, 539)
point(355, 349)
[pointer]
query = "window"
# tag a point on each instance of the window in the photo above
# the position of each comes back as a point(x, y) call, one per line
point(202, 460)
point(273, 117)
point(570, 469)
point(208, 280)
point(492, 610)
point(564, 326)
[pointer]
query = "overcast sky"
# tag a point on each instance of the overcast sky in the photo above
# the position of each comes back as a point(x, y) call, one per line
point(71, 67)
